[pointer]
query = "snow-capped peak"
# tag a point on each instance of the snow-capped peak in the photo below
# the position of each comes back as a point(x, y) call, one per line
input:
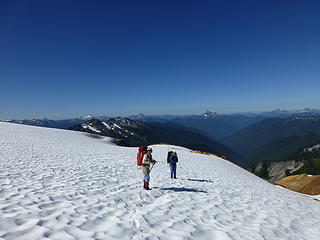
point(315, 148)
point(209, 114)
point(308, 110)
point(305, 110)
point(88, 117)
point(279, 110)
point(141, 115)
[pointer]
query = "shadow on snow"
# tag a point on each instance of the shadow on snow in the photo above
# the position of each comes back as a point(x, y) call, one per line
point(93, 135)
point(200, 180)
point(183, 189)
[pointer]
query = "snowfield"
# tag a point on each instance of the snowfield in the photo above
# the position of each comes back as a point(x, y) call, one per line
point(60, 184)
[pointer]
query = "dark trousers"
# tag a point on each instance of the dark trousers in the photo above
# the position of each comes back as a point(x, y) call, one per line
point(173, 169)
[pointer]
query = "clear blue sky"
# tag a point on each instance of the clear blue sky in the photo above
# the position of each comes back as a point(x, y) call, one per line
point(66, 58)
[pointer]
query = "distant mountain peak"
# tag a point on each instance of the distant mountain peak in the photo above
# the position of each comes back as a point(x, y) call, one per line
point(280, 110)
point(307, 110)
point(89, 116)
point(209, 114)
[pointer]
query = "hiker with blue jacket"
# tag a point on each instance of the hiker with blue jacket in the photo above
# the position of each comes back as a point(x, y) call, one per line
point(173, 159)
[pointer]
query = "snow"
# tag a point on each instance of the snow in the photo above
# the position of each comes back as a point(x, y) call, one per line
point(313, 148)
point(91, 128)
point(107, 126)
point(116, 126)
point(60, 184)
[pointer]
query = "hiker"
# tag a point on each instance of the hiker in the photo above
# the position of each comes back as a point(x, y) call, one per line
point(146, 161)
point(173, 159)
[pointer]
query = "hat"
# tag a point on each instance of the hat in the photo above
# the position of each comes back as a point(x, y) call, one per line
point(149, 149)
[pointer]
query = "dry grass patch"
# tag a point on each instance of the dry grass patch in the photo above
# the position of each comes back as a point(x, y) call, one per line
point(302, 183)
point(206, 153)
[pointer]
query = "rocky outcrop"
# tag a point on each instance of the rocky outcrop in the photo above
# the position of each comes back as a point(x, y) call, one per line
point(279, 170)
point(274, 171)
point(305, 160)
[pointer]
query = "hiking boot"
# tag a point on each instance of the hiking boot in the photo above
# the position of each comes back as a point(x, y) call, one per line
point(175, 177)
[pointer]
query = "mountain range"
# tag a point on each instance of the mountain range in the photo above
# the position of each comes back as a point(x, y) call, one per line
point(252, 140)
point(61, 124)
point(256, 135)
point(281, 149)
point(214, 125)
point(220, 126)
point(135, 133)
point(270, 147)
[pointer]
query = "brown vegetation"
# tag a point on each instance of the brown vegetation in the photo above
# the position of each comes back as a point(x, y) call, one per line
point(206, 153)
point(161, 143)
point(302, 183)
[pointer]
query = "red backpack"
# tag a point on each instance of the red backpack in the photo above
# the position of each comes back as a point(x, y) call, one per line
point(142, 151)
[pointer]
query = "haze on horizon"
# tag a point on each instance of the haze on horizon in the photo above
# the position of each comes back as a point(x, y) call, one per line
point(121, 58)
point(189, 113)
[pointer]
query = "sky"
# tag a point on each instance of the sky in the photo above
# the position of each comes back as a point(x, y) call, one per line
point(67, 58)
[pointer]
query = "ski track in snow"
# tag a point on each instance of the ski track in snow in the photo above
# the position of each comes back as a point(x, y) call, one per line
point(58, 184)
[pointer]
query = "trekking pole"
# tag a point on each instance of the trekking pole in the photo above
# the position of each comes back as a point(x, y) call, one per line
point(152, 167)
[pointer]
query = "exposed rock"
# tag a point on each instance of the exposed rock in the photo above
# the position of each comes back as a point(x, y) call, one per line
point(258, 168)
point(315, 148)
point(274, 171)
point(277, 170)
point(122, 143)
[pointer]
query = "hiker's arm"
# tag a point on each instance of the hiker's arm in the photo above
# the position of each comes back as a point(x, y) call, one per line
point(152, 160)
point(145, 159)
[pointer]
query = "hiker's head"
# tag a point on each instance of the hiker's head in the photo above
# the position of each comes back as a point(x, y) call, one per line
point(174, 153)
point(149, 150)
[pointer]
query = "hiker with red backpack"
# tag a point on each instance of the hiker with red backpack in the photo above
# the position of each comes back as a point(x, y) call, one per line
point(144, 159)
point(142, 151)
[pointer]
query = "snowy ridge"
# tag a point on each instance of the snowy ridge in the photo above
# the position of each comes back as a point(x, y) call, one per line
point(209, 114)
point(58, 184)
point(107, 126)
point(90, 127)
point(312, 149)
point(111, 125)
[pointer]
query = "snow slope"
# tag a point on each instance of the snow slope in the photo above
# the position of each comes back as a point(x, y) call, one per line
point(59, 184)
